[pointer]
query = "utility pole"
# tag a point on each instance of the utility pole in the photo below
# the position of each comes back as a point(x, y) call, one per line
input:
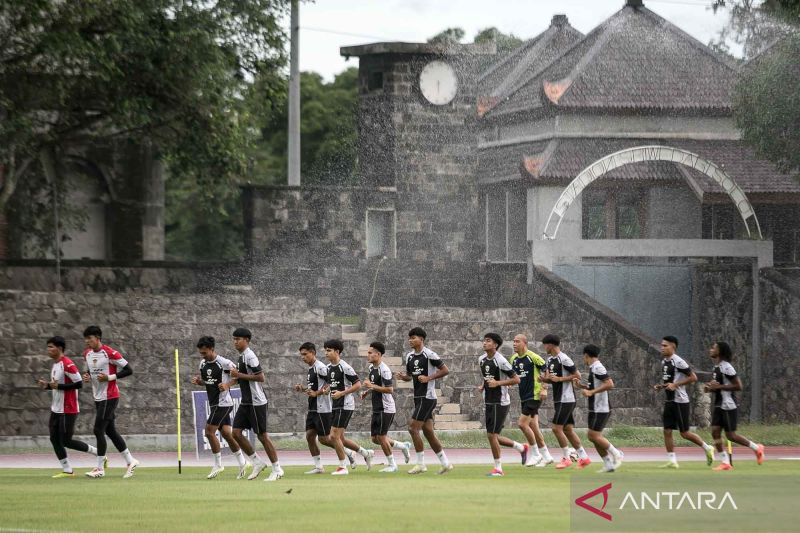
point(294, 99)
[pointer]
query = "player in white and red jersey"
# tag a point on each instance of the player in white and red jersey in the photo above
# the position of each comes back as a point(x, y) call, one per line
point(65, 380)
point(106, 366)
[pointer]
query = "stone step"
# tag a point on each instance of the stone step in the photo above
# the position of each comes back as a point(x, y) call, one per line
point(404, 385)
point(393, 361)
point(461, 425)
point(359, 336)
point(451, 418)
point(449, 409)
point(350, 328)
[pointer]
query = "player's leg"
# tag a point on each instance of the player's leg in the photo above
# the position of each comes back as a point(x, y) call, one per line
point(212, 425)
point(544, 452)
point(730, 424)
point(337, 434)
point(430, 435)
point(524, 424)
point(226, 431)
point(56, 428)
point(682, 412)
point(379, 429)
point(110, 414)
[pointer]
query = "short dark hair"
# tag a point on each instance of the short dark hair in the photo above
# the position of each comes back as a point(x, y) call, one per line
point(418, 332)
point(334, 344)
point(206, 342)
point(93, 331)
point(243, 333)
point(378, 346)
point(498, 340)
point(671, 338)
point(308, 346)
point(58, 341)
point(551, 339)
point(725, 352)
point(591, 350)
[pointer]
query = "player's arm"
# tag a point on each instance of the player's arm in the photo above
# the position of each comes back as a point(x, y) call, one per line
point(511, 380)
point(403, 376)
point(690, 377)
point(734, 385)
point(441, 372)
point(259, 377)
point(607, 384)
point(122, 365)
point(382, 390)
point(354, 387)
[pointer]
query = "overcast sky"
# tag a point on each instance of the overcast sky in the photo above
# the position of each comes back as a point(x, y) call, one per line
point(326, 25)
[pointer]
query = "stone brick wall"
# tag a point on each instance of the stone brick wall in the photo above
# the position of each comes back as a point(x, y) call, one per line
point(147, 329)
point(550, 306)
point(723, 311)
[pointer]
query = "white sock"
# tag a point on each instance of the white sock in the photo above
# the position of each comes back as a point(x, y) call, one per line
point(582, 453)
point(255, 459)
point(753, 446)
point(92, 449)
point(545, 453)
point(126, 453)
point(519, 447)
point(613, 450)
point(218, 459)
point(276, 466)
point(100, 460)
point(240, 458)
point(65, 465)
point(707, 447)
point(349, 453)
point(421, 458)
point(398, 445)
point(442, 458)
point(390, 458)
point(343, 463)
point(672, 457)
point(317, 461)
point(607, 461)
point(363, 451)
point(533, 450)
point(565, 452)
point(724, 458)
point(498, 464)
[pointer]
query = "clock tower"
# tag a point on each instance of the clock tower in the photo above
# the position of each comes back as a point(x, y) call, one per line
point(416, 126)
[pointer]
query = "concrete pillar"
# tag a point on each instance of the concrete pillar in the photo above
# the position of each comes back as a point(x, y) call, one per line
point(294, 99)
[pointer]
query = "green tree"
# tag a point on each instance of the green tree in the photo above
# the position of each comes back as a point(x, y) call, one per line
point(505, 41)
point(174, 73)
point(448, 36)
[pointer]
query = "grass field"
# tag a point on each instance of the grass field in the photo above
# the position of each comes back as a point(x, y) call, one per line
point(158, 499)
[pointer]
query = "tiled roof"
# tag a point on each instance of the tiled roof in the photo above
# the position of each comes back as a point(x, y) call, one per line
point(506, 75)
point(636, 60)
point(560, 160)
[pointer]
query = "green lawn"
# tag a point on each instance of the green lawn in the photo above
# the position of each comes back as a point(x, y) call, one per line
point(158, 499)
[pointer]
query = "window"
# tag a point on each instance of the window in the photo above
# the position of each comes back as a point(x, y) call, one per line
point(380, 233)
point(614, 214)
point(375, 80)
point(506, 225)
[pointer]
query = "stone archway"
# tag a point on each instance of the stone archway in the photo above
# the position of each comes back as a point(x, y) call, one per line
point(651, 153)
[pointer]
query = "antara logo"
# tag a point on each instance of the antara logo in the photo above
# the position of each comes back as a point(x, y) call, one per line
point(581, 501)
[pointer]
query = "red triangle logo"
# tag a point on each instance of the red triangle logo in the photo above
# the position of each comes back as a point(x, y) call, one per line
point(581, 501)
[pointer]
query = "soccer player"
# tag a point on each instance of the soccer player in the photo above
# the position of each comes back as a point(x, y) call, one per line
point(561, 373)
point(424, 367)
point(106, 366)
point(215, 375)
point(675, 375)
point(724, 415)
point(529, 366)
point(497, 375)
point(252, 412)
point(343, 383)
point(383, 407)
point(65, 380)
point(318, 419)
point(596, 390)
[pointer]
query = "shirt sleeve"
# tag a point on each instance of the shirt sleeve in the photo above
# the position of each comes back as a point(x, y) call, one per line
point(505, 366)
point(568, 365)
point(322, 371)
point(351, 374)
point(252, 363)
point(227, 364)
point(683, 367)
point(386, 376)
point(601, 373)
point(434, 359)
point(71, 371)
point(729, 371)
point(115, 358)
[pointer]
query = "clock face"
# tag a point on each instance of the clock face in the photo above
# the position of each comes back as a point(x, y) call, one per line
point(438, 83)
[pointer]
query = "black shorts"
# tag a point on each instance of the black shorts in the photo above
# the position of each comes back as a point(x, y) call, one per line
point(380, 423)
point(496, 417)
point(220, 415)
point(562, 415)
point(423, 409)
point(252, 417)
point(530, 407)
point(725, 418)
point(105, 410)
point(320, 423)
point(341, 417)
point(62, 425)
point(597, 421)
point(676, 416)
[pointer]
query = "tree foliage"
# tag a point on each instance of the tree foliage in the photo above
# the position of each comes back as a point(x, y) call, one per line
point(448, 36)
point(505, 41)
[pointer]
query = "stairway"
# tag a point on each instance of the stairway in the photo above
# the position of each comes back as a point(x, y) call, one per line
point(448, 414)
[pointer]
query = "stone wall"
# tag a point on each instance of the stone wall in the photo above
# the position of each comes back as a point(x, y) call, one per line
point(551, 306)
point(723, 311)
point(108, 277)
point(147, 329)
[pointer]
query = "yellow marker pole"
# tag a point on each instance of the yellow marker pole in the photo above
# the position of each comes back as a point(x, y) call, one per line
point(178, 402)
point(730, 452)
